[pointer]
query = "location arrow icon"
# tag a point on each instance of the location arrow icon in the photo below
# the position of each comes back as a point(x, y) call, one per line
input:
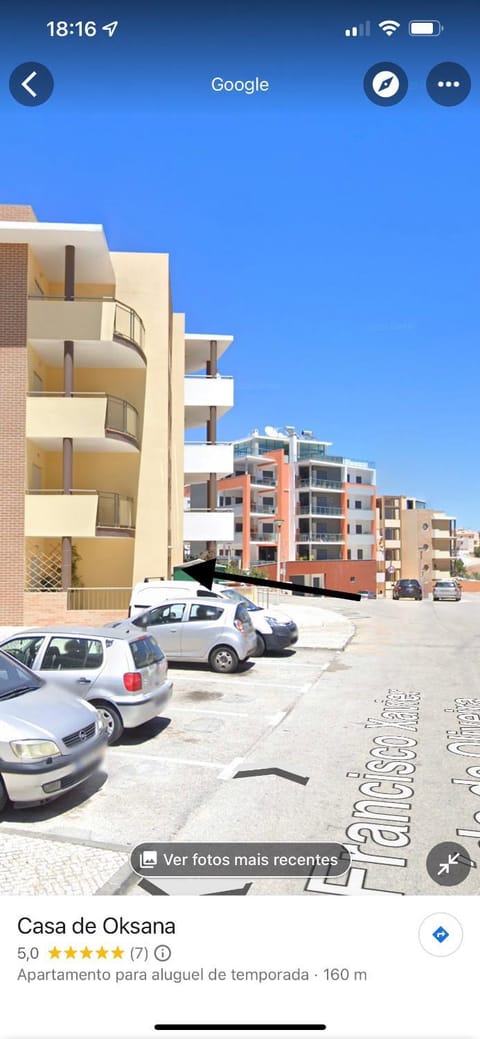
point(205, 571)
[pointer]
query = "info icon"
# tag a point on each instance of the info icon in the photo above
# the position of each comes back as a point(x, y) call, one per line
point(385, 84)
point(448, 84)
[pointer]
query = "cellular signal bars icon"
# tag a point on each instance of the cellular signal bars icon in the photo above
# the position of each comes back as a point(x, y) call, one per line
point(359, 30)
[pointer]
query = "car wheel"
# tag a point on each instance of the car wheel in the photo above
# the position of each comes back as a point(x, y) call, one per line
point(113, 721)
point(261, 647)
point(224, 660)
point(3, 795)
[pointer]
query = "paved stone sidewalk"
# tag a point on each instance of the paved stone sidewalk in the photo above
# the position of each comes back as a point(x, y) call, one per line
point(51, 866)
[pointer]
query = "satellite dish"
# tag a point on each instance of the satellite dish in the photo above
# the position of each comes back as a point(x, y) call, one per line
point(271, 431)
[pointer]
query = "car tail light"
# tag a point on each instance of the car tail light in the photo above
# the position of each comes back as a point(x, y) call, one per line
point(240, 626)
point(132, 681)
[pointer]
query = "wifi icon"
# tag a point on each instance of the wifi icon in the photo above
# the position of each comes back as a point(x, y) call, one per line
point(389, 26)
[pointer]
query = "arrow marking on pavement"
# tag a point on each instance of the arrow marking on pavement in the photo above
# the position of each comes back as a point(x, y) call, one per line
point(205, 572)
point(27, 81)
point(273, 772)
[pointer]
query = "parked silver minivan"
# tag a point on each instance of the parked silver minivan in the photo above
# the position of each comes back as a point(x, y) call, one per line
point(124, 674)
point(50, 741)
point(201, 630)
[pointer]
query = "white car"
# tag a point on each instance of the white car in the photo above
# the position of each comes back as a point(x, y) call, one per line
point(275, 629)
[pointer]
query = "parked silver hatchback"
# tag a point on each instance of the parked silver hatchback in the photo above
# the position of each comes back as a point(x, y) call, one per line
point(50, 741)
point(448, 589)
point(124, 674)
point(199, 630)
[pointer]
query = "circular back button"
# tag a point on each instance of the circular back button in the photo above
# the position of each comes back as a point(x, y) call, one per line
point(31, 84)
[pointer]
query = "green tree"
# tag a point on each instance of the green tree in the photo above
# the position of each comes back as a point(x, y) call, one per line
point(476, 552)
point(459, 569)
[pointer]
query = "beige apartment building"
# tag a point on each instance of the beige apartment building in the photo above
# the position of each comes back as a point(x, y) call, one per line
point(98, 382)
point(413, 541)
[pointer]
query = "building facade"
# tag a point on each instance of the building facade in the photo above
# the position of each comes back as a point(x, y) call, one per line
point(413, 541)
point(95, 377)
point(298, 509)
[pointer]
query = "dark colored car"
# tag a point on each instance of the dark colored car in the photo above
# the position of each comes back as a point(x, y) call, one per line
point(407, 588)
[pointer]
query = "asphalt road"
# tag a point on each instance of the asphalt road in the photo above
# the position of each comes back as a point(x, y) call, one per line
point(317, 714)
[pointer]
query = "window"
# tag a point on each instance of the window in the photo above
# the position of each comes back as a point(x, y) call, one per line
point(238, 501)
point(228, 501)
point(358, 504)
point(348, 528)
point(238, 528)
point(200, 612)
point(72, 654)
point(358, 528)
point(360, 553)
point(24, 650)
point(349, 553)
point(168, 614)
point(146, 651)
point(358, 479)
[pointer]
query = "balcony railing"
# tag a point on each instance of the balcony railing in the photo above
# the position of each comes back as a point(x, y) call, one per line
point(263, 481)
point(322, 537)
point(127, 324)
point(115, 511)
point(262, 510)
point(122, 417)
point(258, 535)
point(319, 510)
point(335, 484)
point(98, 598)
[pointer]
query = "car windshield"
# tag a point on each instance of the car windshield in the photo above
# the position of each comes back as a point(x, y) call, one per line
point(445, 584)
point(14, 678)
point(230, 593)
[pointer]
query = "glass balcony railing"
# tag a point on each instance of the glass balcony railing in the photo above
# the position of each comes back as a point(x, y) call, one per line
point(322, 537)
point(258, 535)
point(307, 482)
point(319, 510)
point(115, 510)
point(122, 417)
point(261, 509)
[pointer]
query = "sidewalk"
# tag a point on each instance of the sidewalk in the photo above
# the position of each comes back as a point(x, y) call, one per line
point(319, 628)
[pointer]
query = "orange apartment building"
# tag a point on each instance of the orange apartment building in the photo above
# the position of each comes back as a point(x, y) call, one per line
point(300, 513)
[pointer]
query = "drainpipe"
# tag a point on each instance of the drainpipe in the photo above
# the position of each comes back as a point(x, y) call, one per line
point(212, 496)
point(68, 384)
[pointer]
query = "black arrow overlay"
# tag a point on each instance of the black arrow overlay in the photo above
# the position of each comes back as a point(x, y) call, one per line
point(205, 572)
point(273, 772)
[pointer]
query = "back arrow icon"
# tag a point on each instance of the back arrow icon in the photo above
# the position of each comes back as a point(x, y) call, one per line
point(26, 82)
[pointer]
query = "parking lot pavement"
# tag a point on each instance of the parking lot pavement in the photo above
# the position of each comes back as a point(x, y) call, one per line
point(156, 777)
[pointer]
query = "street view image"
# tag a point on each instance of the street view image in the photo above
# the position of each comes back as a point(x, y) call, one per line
point(236, 375)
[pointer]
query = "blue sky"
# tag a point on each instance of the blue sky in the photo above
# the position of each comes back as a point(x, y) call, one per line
point(336, 240)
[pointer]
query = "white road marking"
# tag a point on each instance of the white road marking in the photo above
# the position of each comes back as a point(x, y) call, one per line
point(203, 710)
point(229, 771)
point(275, 719)
point(162, 760)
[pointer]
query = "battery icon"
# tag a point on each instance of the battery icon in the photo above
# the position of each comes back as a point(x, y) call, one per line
point(431, 28)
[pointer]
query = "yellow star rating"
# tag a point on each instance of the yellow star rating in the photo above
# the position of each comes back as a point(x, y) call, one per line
point(86, 953)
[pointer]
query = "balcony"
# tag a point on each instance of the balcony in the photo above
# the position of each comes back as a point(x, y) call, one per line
point(333, 485)
point(358, 540)
point(320, 510)
point(83, 513)
point(322, 538)
point(202, 392)
point(258, 509)
point(100, 326)
point(202, 459)
point(205, 525)
point(257, 480)
point(96, 421)
point(258, 536)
